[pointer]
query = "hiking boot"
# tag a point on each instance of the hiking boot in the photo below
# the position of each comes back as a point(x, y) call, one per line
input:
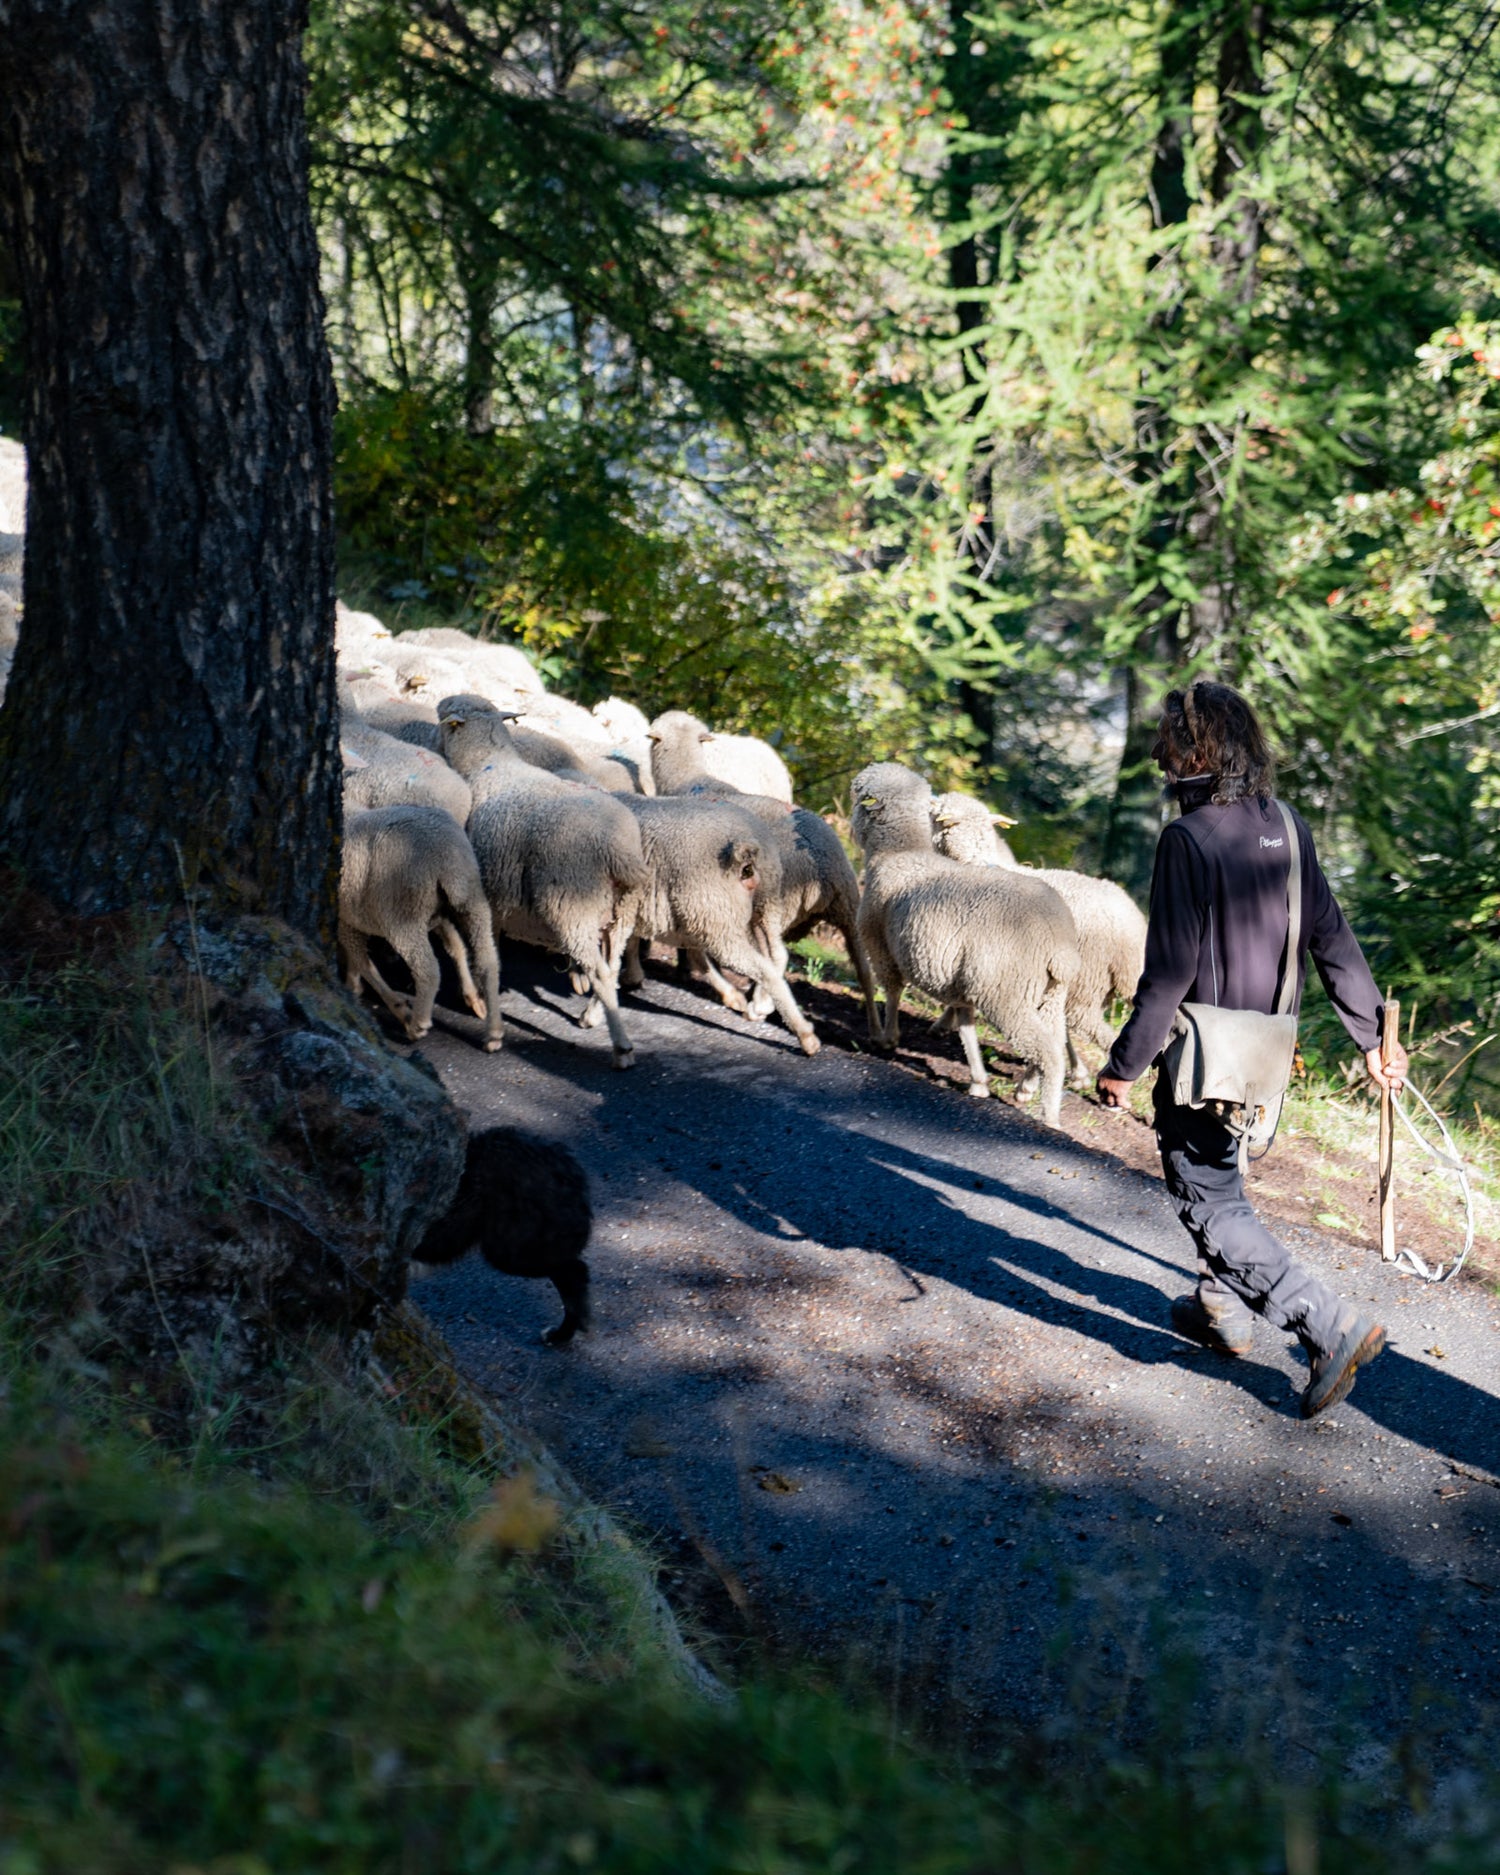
point(1191, 1318)
point(1333, 1373)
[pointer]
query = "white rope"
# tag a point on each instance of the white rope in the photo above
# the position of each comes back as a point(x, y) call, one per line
point(1454, 1163)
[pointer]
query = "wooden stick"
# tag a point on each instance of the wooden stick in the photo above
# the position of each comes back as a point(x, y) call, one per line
point(1390, 1033)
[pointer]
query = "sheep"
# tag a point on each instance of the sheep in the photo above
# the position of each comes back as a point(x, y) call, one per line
point(12, 486)
point(525, 1203)
point(683, 748)
point(975, 938)
point(408, 873)
point(964, 829)
point(627, 732)
point(715, 885)
point(544, 750)
point(420, 671)
point(391, 772)
point(485, 661)
point(12, 562)
point(621, 721)
point(1111, 926)
point(357, 634)
point(817, 880)
point(562, 863)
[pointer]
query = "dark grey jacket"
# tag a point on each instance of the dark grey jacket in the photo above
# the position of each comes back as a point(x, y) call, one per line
point(1218, 929)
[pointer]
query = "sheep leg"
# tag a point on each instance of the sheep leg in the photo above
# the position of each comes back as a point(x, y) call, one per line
point(770, 941)
point(361, 971)
point(446, 933)
point(414, 947)
point(945, 1022)
point(1041, 1041)
point(748, 961)
point(605, 1004)
point(479, 931)
point(632, 972)
point(861, 964)
point(968, 1034)
point(892, 982)
point(728, 995)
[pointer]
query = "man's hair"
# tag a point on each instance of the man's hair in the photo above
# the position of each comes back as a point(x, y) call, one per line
point(1216, 724)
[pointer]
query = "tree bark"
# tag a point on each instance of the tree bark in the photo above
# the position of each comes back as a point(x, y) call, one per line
point(172, 711)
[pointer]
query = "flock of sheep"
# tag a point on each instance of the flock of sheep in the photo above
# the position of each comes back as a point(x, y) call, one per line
point(477, 802)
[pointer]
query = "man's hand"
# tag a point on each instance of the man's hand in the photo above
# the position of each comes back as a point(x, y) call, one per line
point(1112, 1093)
point(1392, 1073)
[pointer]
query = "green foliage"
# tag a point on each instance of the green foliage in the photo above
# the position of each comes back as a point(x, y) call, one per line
point(1392, 600)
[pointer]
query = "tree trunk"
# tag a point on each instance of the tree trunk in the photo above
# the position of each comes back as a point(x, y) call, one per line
point(1136, 811)
point(172, 709)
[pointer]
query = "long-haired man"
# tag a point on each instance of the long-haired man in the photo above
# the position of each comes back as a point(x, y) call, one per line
point(1218, 933)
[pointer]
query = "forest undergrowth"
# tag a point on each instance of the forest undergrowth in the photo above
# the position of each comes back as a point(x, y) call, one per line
point(328, 1622)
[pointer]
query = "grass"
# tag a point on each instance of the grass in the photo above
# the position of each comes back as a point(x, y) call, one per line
point(360, 1625)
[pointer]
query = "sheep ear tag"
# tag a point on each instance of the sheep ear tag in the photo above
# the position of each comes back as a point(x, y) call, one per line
point(1000, 820)
point(869, 800)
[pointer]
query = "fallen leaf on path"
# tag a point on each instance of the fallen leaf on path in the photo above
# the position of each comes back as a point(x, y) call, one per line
point(1438, 1354)
point(774, 1481)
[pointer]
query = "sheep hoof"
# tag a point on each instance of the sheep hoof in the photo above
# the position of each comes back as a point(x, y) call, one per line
point(416, 1030)
point(1026, 1092)
point(760, 1008)
point(809, 1044)
point(592, 1016)
point(493, 1044)
point(624, 1058)
point(979, 1090)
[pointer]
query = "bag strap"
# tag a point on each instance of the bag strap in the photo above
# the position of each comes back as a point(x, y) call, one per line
point(1288, 990)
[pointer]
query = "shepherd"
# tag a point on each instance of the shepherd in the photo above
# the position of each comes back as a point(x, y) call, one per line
point(1231, 928)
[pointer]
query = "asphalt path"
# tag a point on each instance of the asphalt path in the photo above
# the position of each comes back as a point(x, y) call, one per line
point(884, 1373)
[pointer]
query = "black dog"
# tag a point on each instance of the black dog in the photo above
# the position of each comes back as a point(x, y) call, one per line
point(525, 1203)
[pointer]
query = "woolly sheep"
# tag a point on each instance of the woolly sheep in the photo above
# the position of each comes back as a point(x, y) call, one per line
point(420, 671)
point(494, 664)
point(817, 881)
point(562, 863)
point(394, 773)
point(621, 721)
point(356, 634)
point(683, 748)
point(627, 730)
point(1111, 926)
point(975, 938)
point(409, 873)
point(714, 889)
point(544, 750)
point(418, 727)
point(964, 829)
point(12, 486)
point(12, 561)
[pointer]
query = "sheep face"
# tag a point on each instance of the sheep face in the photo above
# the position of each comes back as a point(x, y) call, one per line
point(964, 829)
point(472, 730)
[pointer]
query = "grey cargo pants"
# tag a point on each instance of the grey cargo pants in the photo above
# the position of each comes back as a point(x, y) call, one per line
point(1242, 1268)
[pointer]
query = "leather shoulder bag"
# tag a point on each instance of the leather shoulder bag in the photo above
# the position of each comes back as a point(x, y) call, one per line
point(1238, 1062)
